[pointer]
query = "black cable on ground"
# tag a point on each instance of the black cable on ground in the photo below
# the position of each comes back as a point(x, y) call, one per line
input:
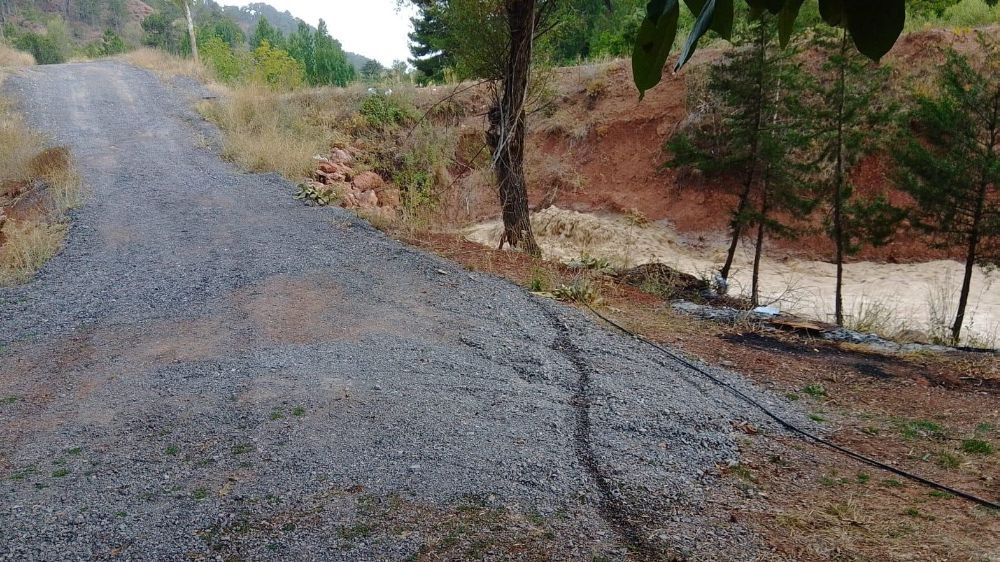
point(794, 428)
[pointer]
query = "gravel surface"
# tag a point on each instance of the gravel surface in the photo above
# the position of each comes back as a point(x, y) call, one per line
point(210, 369)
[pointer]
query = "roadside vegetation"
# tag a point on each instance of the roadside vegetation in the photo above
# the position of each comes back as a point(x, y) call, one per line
point(37, 186)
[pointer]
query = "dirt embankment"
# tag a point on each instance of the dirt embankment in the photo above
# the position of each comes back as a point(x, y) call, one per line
point(613, 146)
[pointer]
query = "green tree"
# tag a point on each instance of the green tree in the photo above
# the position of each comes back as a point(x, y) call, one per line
point(159, 32)
point(301, 45)
point(331, 65)
point(277, 68)
point(846, 113)
point(266, 32)
point(749, 135)
point(429, 41)
point(112, 43)
point(951, 164)
point(372, 71)
point(222, 59)
point(223, 28)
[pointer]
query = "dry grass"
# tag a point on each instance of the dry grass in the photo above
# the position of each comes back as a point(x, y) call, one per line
point(266, 131)
point(18, 145)
point(166, 65)
point(27, 246)
point(32, 235)
point(12, 58)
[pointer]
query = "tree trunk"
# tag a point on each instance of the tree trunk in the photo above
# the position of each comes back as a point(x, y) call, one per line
point(191, 33)
point(970, 260)
point(736, 227)
point(759, 250)
point(838, 186)
point(970, 266)
point(507, 129)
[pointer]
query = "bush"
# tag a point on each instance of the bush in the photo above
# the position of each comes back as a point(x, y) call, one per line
point(386, 111)
point(971, 13)
point(42, 47)
point(224, 62)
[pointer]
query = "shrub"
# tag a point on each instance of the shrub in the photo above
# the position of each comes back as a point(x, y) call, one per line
point(421, 170)
point(977, 447)
point(221, 58)
point(581, 291)
point(386, 111)
point(110, 44)
point(971, 13)
point(42, 47)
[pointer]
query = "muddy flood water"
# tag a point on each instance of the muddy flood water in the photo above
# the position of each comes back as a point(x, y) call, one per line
point(893, 297)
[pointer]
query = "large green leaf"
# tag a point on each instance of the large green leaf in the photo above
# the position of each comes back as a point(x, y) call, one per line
point(722, 21)
point(701, 26)
point(653, 43)
point(786, 20)
point(875, 26)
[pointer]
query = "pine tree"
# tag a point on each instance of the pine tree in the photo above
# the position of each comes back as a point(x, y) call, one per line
point(847, 110)
point(264, 31)
point(951, 164)
point(748, 136)
point(427, 41)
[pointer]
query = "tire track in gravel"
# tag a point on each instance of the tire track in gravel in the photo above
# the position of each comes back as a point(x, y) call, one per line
point(617, 513)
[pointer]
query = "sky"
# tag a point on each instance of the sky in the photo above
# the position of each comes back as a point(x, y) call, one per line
point(372, 28)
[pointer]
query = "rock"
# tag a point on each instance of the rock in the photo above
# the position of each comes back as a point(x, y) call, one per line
point(367, 199)
point(368, 181)
point(341, 156)
point(388, 196)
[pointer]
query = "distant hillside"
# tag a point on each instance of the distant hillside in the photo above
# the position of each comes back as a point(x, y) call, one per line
point(248, 16)
point(87, 19)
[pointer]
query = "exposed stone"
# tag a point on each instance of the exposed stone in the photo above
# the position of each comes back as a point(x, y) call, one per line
point(341, 156)
point(367, 199)
point(366, 181)
point(388, 196)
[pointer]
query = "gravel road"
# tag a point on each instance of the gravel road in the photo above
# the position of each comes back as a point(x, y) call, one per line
point(212, 370)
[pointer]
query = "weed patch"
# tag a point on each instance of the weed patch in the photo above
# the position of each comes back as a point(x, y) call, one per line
point(977, 447)
point(921, 429)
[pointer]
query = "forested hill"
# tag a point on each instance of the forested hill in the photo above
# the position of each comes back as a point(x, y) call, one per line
point(250, 15)
point(66, 28)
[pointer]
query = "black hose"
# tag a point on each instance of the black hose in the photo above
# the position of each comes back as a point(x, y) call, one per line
point(792, 427)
